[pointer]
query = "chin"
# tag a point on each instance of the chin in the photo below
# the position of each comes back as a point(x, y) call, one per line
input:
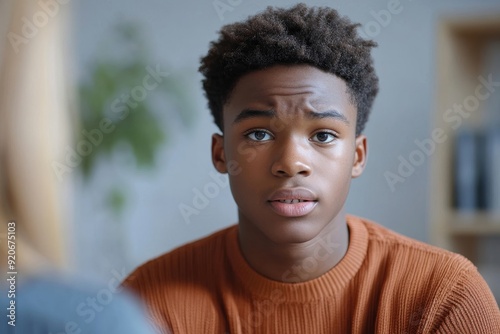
point(293, 232)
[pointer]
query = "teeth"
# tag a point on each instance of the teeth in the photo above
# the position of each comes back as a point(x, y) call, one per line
point(291, 201)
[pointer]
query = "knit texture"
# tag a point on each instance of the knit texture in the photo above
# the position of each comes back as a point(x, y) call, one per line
point(386, 283)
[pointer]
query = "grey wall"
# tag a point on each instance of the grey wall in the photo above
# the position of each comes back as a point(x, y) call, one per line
point(179, 33)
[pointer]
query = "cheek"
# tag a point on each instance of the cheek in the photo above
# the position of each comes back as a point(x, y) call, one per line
point(252, 173)
point(336, 166)
point(245, 191)
point(341, 155)
point(247, 156)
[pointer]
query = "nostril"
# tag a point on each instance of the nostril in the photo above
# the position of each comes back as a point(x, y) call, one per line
point(292, 170)
point(291, 161)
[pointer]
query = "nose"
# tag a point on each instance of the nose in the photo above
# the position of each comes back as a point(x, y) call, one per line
point(291, 159)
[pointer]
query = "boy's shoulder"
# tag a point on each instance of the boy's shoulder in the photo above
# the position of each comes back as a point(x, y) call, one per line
point(418, 267)
point(393, 244)
point(443, 287)
point(202, 255)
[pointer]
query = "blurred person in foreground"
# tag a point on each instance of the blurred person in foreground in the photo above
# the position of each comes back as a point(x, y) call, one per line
point(38, 294)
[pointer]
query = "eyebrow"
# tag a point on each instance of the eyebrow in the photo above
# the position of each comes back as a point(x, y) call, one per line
point(251, 113)
point(327, 114)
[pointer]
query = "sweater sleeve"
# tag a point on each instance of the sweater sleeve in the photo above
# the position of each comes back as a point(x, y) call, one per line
point(470, 307)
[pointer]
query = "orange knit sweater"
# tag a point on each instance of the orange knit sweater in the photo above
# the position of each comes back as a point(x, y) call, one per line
point(386, 283)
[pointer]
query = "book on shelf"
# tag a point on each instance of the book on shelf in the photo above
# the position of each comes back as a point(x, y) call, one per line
point(491, 121)
point(492, 170)
point(466, 171)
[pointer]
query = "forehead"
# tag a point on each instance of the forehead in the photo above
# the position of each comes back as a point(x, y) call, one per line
point(290, 89)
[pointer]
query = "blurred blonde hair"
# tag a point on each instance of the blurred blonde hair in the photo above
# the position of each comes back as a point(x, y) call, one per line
point(34, 130)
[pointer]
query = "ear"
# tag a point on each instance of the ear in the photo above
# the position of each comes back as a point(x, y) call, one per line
point(360, 156)
point(218, 155)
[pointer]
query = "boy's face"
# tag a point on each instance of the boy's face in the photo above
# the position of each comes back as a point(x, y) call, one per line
point(290, 149)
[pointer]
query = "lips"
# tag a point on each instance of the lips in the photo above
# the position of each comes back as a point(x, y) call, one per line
point(293, 202)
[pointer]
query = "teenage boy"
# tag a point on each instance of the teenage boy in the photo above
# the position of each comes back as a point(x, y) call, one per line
point(291, 90)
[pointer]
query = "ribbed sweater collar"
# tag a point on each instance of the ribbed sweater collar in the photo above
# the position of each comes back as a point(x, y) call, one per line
point(329, 284)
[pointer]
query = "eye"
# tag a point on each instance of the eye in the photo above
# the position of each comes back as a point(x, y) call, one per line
point(323, 137)
point(259, 135)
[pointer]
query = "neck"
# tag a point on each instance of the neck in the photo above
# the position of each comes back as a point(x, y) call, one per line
point(295, 262)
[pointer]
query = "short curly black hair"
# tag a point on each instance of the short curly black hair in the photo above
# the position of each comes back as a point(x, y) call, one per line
point(317, 36)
